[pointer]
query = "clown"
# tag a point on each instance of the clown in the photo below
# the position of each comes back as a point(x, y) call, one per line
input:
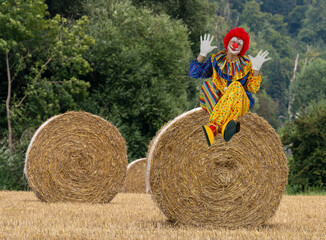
point(234, 77)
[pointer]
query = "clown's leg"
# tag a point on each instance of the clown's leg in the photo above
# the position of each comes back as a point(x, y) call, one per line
point(210, 132)
point(229, 130)
point(208, 96)
point(208, 99)
point(233, 104)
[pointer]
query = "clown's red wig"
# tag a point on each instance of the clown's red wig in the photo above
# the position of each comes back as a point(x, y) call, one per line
point(239, 33)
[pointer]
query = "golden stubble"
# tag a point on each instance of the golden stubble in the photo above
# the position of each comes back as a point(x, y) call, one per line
point(135, 216)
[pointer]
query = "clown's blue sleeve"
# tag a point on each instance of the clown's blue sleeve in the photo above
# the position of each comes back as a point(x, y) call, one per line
point(201, 70)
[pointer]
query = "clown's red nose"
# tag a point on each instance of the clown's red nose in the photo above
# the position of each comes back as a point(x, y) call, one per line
point(235, 45)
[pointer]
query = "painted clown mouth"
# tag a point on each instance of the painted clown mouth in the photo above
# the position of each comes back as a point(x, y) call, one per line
point(234, 49)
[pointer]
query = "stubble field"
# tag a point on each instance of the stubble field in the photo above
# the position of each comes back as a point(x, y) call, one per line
point(135, 216)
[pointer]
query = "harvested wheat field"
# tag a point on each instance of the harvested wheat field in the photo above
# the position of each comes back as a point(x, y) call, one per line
point(135, 216)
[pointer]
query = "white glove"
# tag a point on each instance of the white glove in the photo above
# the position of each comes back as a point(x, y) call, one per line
point(258, 61)
point(205, 45)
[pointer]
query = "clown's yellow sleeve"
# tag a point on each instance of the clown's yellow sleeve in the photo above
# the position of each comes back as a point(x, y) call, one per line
point(253, 83)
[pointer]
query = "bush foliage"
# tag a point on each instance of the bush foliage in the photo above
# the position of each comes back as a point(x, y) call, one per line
point(306, 138)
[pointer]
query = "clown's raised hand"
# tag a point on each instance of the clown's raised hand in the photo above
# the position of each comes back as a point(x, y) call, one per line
point(258, 61)
point(205, 45)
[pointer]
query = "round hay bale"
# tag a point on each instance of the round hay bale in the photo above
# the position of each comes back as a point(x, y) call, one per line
point(76, 157)
point(136, 174)
point(230, 184)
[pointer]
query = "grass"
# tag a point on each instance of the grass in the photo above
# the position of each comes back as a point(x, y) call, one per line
point(135, 216)
point(310, 193)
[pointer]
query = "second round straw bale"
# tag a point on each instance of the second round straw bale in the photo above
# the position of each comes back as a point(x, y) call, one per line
point(136, 174)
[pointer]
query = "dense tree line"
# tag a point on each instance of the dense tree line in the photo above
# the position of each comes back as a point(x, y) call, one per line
point(127, 61)
point(306, 137)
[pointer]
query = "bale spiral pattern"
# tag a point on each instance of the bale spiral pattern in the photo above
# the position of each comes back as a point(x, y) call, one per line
point(234, 184)
point(136, 174)
point(76, 157)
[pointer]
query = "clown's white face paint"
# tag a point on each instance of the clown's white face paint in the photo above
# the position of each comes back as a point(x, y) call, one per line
point(235, 45)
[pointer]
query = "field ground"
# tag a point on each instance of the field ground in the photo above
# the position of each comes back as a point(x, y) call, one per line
point(135, 216)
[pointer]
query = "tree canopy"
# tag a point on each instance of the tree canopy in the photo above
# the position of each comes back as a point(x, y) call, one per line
point(140, 61)
point(311, 85)
point(41, 59)
point(306, 137)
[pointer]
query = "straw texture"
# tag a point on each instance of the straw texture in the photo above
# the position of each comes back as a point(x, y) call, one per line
point(136, 174)
point(76, 157)
point(234, 184)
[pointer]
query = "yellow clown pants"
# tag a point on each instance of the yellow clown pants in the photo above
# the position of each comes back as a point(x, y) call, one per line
point(233, 104)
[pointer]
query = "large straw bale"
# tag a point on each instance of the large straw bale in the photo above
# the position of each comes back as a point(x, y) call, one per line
point(230, 184)
point(136, 174)
point(76, 157)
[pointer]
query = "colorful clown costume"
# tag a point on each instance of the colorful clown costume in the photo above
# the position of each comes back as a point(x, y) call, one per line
point(228, 95)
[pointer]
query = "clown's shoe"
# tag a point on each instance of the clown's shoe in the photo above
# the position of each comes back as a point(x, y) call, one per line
point(229, 129)
point(238, 127)
point(210, 132)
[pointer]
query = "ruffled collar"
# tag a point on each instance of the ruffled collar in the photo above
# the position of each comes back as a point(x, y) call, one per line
point(227, 67)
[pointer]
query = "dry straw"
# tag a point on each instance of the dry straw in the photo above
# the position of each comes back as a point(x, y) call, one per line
point(234, 184)
point(136, 174)
point(76, 157)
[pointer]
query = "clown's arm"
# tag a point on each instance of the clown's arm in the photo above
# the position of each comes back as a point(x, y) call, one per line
point(198, 68)
point(254, 80)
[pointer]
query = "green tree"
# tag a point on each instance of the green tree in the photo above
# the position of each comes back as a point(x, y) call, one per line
point(267, 108)
point(252, 17)
point(43, 61)
point(277, 83)
point(310, 85)
point(140, 63)
point(224, 19)
point(237, 5)
point(11, 168)
point(269, 32)
point(314, 23)
point(17, 22)
point(282, 7)
point(194, 13)
point(71, 9)
point(294, 19)
point(306, 137)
